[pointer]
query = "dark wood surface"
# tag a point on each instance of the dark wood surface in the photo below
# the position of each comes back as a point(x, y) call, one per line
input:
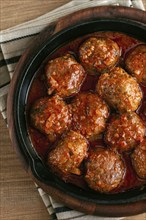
point(97, 12)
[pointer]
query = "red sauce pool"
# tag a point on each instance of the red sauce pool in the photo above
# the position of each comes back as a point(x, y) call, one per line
point(38, 89)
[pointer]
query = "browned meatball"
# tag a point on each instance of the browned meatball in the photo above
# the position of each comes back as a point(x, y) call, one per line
point(99, 54)
point(64, 76)
point(120, 90)
point(136, 63)
point(51, 116)
point(105, 170)
point(68, 154)
point(89, 115)
point(125, 131)
point(139, 159)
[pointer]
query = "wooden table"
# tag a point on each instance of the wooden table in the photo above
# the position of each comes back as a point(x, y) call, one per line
point(19, 199)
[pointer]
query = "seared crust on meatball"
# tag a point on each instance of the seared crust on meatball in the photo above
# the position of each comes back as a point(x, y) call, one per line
point(139, 159)
point(89, 115)
point(64, 76)
point(105, 170)
point(98, 54)
point(51, 116)
point(68, 154)
point(136, 63)
point(125, 131)
point(120, 90)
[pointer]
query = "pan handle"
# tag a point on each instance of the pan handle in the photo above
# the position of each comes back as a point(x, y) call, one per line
point(41, 172)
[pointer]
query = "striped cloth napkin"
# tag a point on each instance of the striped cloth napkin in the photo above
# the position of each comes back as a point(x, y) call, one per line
point(13, 43)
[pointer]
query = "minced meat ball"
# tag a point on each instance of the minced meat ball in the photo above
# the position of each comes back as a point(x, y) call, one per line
point(120, 90)
point(125, 131)
point(105, 170)
point(98, 54)
point(89, 115)
point(136, 63)
point(51, 116)
point(64, 76)
point(68, 154)
point(139, 159)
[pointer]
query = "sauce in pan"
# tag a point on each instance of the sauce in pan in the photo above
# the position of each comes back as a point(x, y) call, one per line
point(38, 90)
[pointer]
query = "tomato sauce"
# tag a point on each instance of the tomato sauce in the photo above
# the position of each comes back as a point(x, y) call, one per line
point(38, 89)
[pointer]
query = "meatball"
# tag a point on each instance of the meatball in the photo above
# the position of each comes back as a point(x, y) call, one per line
point(125, 131)
point(98, 54)
point(139, 159)
point(105, 170)
point(120, 90)
point(68, 154)
point(64, 76)
point(51, 116)
point(136, 63)
point(89, 115)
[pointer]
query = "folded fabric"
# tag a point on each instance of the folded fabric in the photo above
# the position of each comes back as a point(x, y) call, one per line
point(13, 43)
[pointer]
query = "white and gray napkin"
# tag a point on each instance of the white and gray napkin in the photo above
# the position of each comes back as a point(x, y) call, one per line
point(13, 43)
